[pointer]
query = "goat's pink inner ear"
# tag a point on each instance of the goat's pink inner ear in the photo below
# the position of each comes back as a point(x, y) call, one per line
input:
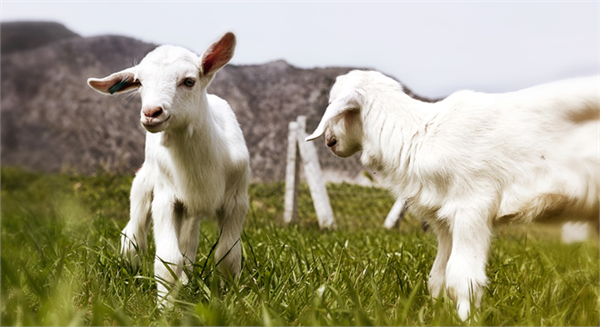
point(115, 83)
point(218, 54)
point(100, 84)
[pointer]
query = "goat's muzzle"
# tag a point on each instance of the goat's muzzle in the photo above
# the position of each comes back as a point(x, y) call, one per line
point(153, 112)
point(154, 125)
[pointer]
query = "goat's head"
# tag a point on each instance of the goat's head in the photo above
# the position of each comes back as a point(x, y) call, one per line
point(342, 121)
point(172, 82)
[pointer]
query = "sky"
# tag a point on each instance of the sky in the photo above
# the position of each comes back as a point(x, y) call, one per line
point(434, 48)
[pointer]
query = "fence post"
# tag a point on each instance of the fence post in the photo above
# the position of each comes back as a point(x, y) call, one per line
point(395, 215)
point(292, 178)
point(314, 177)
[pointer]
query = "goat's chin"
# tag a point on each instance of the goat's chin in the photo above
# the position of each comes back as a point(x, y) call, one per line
point(343, 153)
point(153, 126)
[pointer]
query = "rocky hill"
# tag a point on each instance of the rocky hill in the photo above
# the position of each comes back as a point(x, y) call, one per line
point(52, 121)
point(19, 36)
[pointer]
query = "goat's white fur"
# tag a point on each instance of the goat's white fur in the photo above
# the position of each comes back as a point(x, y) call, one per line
point(472, 161)
point(196, 165)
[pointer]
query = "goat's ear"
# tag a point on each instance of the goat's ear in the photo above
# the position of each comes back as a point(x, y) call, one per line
point(218, 54)
point(350, 102)
point(120, 82)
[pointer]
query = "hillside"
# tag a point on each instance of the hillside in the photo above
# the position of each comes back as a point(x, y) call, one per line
point(20, 36)
point(52, 121)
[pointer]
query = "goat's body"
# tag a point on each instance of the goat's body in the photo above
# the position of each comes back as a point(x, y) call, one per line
point(196, 165)
point(474, 160)
point(204, 164)
point(544, 166)
point(201, 171)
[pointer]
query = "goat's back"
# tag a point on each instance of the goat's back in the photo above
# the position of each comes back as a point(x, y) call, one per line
point(535, 151)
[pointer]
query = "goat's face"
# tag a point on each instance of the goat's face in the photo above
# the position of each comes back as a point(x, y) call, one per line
point(168, 84)
point(342, 122)
point(171, 81)
point(344, 134)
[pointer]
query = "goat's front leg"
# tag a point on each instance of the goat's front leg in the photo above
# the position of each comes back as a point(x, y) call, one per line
point(166, 235)
point(135, 234)
point(437, 276)
point(231, 220)
point(465, 271)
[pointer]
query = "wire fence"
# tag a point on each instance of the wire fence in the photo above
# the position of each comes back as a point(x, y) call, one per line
point(353, 206)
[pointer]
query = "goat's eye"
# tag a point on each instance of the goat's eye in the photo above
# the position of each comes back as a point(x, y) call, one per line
point(137, 82)
point(189, 82)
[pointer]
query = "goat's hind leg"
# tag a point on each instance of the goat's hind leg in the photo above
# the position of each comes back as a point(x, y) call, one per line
point(437, 276)
point(134, 235)
point(229, 249)
point(189, 237)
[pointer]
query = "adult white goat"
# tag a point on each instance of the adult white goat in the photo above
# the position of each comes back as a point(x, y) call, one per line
point(196, 161)
point(473, 161)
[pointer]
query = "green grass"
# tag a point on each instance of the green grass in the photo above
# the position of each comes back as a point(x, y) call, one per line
point(60, 265)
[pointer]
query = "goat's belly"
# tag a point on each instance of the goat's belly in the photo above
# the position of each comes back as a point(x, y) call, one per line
point(201, 198)
point(562, 193)
point(204, 204)
point(203, 207)
point(549, 208)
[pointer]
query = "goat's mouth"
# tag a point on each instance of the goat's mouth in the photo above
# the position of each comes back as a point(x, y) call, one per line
point(153, 123)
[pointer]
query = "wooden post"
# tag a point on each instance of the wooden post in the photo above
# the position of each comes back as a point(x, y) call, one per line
point(395, 215)
point(292, 178)
point(314, 177)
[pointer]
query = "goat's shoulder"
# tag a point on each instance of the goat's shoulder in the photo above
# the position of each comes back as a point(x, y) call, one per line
point(221, 111)
point(229, 129)
point(466, 101)
point(463, 112)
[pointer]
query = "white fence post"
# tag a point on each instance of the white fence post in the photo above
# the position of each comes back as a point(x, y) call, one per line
point(573, 232)
point(292, 175)
point(314, 177)
point(312, 172)
point(395, 215)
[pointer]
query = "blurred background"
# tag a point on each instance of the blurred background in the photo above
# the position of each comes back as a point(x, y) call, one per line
point(287, 57)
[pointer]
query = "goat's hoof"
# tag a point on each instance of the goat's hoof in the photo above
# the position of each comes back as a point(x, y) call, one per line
point(184, 279)
point(165, 303)
point(132, 258)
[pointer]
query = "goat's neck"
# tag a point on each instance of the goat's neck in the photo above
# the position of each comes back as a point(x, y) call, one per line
point(195, 155)
point(200, 126)
point(392, 126)
point(196, 139)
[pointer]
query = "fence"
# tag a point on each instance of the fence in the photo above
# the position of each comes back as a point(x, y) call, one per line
point(303, 152)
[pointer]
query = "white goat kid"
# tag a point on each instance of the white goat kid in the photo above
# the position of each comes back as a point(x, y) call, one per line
point(473, 161)
point(196, 161)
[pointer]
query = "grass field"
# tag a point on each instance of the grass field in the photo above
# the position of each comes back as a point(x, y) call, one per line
point(60, 265)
